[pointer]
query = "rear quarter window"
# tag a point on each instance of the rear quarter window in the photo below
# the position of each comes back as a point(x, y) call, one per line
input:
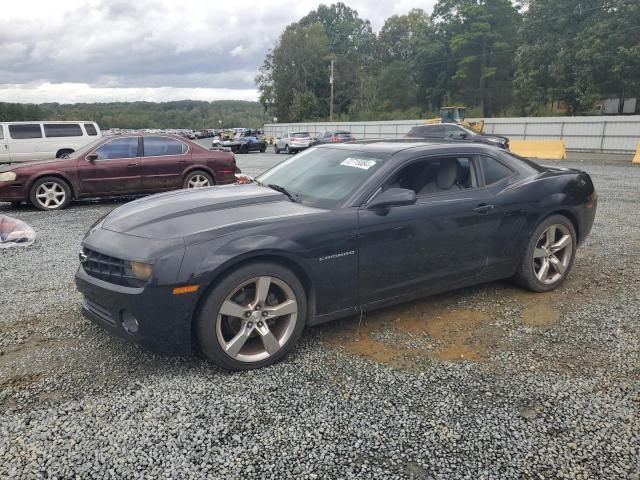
point(52, 130)
point(494, 171)
point(91, 129)
point(25, 131)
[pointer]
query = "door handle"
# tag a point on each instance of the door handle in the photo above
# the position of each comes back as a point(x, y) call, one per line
point(483, 208)
point(132, 165)
point(182, 161)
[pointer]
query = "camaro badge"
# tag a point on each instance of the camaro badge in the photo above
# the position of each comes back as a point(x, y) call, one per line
point(337, 255)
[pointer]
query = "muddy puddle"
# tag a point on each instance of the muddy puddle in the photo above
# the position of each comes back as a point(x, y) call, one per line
point(436, 328)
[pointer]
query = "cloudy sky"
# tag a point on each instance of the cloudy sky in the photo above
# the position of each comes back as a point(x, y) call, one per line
point(120, 50)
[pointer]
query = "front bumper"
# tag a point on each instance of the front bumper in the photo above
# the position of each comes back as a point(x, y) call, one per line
point(12, 191)
point(164, 319)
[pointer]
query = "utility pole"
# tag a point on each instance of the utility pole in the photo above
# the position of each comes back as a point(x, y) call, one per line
point(331, 101)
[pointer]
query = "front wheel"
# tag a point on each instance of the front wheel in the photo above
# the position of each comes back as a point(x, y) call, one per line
point(50, 193)
point(253, 317)
point(549, 255)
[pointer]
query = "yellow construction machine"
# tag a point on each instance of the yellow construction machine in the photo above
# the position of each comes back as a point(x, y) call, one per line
point(456, 115)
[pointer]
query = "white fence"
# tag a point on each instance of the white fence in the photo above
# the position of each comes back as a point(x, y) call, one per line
point(592, 134)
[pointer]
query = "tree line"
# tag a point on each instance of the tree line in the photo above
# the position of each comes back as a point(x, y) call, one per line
point(189, 114)
point(496, 57)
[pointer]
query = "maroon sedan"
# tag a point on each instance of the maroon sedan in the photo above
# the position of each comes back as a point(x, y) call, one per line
point(111, 166)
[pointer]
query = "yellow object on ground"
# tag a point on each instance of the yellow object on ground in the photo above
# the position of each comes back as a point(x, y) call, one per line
point(549, 149)
point(636, 159)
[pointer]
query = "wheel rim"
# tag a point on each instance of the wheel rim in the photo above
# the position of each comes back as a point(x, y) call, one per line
point(552, 254)
point(50, 195)
point(198, 181)
point(257, 319)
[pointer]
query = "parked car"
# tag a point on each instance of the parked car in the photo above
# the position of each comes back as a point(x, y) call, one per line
point(334, 136)
point(293, 142)
point(245, 145)
point(27, 141)
point(454, 131)
point(240, 270)
point(111, 166)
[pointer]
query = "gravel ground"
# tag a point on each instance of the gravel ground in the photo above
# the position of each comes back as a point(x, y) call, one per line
point(482, 383)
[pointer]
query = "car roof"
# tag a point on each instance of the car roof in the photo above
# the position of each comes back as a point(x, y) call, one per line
point(393, 146)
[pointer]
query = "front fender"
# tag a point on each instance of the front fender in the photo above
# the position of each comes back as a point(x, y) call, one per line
point(207, 260)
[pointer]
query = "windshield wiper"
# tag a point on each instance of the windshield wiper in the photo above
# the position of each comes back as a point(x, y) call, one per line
point(292, 196)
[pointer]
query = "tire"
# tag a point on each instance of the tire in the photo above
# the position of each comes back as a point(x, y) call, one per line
point(244, 149)
point(542, 249)
point(50, 193)
point(218, 333)
point(276, 150)
point(197, 179)
point(286, 149)
point(263, 148)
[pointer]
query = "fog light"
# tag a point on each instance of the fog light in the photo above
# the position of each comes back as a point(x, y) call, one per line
point(129, 322)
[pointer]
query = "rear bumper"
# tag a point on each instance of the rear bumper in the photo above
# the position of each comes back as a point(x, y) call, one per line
point(164, 319)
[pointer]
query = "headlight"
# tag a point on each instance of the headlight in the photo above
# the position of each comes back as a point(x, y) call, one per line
point(142, 271)
point(7, 176)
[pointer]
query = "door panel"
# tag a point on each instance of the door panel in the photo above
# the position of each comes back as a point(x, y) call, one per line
point(5, 153)
point(163, 163)
point(442, 238)
point(115, 172)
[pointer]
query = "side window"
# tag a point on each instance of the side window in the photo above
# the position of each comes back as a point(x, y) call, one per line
point(158, 146)
point(1, 132)
point(494, 171)
point(91, 129)
point(25, 131)
point(441, 175)
point(119, 148)
point(62, 130)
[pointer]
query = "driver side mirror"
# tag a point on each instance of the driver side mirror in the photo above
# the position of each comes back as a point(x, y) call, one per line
point(92, 157)
point(459, 135)
point(393, 197)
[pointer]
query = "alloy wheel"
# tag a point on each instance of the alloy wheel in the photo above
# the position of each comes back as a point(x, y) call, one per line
point(552, 254)
point(198, 181)
point(257, 319)
point(51, 195)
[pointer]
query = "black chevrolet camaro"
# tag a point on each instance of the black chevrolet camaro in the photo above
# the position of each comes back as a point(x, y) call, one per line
point(237, 271)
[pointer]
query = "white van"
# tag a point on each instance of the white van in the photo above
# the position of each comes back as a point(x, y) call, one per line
point(27, 141)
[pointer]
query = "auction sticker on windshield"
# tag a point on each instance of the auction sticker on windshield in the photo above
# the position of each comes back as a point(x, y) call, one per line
point(358, 163)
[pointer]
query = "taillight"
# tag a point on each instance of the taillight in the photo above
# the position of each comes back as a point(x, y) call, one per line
point(334, 139)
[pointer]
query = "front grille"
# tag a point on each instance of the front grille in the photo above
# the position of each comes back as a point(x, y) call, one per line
point(99, 311)
point(110, 269)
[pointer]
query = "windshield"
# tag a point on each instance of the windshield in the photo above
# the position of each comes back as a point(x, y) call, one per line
point(300, 134)
point(324, 177)
point(468, 131)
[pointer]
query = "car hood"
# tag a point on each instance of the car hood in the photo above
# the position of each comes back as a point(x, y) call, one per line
point(203, 213)
point(13, 166)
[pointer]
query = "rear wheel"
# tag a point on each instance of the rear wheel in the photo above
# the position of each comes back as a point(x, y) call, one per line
point(549, 255)
point(276, 150)
point(253, 317)
point(197, 179)
point(286, 149)
point(50, 193)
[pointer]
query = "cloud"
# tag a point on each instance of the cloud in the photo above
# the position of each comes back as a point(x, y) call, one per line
point(123, 48)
